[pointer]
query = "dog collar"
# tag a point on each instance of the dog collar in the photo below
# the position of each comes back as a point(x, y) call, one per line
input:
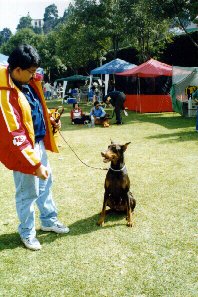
point(118, 169)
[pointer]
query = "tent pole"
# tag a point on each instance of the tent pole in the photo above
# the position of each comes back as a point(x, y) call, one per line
point(139, 94)
point(137, 99)
point(114, 81)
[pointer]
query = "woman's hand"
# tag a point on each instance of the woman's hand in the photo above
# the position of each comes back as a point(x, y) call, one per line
point(56, 125)
point(42, 172)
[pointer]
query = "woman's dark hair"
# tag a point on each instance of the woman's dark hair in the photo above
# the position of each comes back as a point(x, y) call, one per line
point(96, 103)
point(24, 56)
point(75, 104)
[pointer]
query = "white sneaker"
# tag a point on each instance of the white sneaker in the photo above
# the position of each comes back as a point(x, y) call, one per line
point(57, 228)
point(32, 243)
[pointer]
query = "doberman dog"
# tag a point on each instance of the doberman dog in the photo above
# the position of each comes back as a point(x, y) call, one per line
point(117, 184)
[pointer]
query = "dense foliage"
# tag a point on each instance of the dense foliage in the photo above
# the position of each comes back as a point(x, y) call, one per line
point(90, 29)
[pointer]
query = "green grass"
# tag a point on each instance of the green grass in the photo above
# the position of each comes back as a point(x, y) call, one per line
point(157, 257)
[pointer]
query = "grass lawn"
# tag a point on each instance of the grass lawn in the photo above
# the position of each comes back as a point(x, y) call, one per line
point(156, 257)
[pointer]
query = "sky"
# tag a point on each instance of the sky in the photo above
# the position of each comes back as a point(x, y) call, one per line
point(12, 10)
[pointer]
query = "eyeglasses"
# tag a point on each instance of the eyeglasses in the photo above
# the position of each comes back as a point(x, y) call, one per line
point(31, 72)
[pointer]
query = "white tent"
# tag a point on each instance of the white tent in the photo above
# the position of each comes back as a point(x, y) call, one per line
point(184, 83)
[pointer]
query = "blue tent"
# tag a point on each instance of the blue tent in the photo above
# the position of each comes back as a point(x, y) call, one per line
point(112, 67)
point(3, 59)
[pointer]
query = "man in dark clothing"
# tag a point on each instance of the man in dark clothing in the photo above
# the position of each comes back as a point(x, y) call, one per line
point(116, 99)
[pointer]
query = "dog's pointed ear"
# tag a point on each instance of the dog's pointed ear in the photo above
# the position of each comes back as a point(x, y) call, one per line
point(124, 147)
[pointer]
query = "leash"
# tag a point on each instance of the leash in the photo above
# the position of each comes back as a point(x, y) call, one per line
point(57, 118)
point(54, 131)
point(99, 168)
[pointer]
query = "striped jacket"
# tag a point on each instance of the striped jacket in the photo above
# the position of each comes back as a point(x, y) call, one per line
point(16, 126)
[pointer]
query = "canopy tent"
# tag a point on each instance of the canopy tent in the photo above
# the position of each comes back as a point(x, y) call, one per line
point(114, 66)
point(184, 83)
point(111, 67)
point(75, 77)
point(151, 68)
point(3, 59)
point(149, 103)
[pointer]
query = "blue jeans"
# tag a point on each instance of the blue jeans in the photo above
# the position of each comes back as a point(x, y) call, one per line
point(47, 94)
point(31, 189)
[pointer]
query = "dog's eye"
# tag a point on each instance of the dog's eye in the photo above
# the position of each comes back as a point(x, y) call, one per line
point(114, 149)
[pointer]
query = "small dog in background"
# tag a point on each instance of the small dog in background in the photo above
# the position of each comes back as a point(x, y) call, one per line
point(117, 184)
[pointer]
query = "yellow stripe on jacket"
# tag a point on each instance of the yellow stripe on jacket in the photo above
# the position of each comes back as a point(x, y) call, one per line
point(7, 110)
point(30, 155)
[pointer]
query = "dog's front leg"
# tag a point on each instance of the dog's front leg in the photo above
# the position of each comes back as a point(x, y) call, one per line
point(129, 210)
point(103, 212)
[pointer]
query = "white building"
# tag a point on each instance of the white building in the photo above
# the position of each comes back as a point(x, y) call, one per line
point(37, 23)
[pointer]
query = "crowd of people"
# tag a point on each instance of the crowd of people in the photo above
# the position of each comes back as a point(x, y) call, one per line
point(95, 98)
point(51, 92)
point(98, 115)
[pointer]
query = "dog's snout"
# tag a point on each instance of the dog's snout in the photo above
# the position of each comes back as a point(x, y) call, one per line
point(105, 156)
point(102, 154)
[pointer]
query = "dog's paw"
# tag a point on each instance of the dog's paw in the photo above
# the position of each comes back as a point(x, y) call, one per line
point(100, 223)
point(129, 224)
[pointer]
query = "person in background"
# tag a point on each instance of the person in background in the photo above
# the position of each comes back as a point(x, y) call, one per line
point(74, 92)
point(91, 95)
point(60, 91)
point(195, 99)
point(98, 115)
point(26, 134)
point(48, 90)
point(77, 115)
point(116, 99)
point(111, 86)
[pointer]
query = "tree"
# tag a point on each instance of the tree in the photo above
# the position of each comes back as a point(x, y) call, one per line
point(181, 11)
point(91, 29)
point(38, 30)
point(25, 22)
point(114, 24)
point(89, 32)
point(47, 50)
point(104, 21)
point(50, 18)
point(22, 36)
point(5, 35)
point(143, 29)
